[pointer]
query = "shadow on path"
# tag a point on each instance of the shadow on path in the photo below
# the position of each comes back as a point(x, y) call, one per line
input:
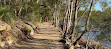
point(48, 38)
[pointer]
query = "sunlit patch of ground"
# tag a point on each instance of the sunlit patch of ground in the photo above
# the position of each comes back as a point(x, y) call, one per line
point(47, 38)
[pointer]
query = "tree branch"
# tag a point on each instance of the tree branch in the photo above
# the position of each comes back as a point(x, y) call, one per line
point(87, 31)
point(87, 23)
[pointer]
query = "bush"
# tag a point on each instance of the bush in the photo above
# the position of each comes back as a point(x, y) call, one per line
point(6, 16)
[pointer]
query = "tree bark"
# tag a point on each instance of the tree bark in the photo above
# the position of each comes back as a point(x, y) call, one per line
point(74, 21)
point(56, 19)
point(70, 8)
point(87, 23)
point(15, 12)
point(20, 11)
point(0, 3)
point(88, 40)
point(64, 25)
point(4, 2)
point(69, 21)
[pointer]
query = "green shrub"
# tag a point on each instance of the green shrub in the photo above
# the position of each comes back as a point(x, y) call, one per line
point(6, 16)
point(26, 30)
point(2, 10)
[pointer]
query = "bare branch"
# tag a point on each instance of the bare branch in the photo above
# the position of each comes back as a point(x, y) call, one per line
point(87, 23)
point(87, 31)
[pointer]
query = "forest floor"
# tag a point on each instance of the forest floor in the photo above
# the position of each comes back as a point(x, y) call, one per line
point(47, 38)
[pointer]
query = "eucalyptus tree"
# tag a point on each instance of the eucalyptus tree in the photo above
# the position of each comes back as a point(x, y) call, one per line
point(78, 4)
point(101, 21)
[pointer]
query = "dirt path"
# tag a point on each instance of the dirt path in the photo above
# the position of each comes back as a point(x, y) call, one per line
point(47, 38)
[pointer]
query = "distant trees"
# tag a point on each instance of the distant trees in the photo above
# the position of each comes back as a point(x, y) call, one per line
point(101, 22)
point(77, 16)
point(30, 10)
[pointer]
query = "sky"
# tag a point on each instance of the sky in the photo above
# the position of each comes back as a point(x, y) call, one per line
point(98, 7)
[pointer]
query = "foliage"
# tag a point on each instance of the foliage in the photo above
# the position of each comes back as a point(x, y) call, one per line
point(101, 20)
point(6, 16)
point(31, 10)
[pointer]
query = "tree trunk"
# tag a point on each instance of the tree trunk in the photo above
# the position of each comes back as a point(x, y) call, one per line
point(70, 8)
point(68, 23)
point(20, 11)
point(4, 2)
point(87, 22)
point(64, 25)
point(58, 21)
point(15, 12)
point(41, 19)
point(88, 40)
point(55, 16)
point(54, 19)
point(74, 21)
point(0, 3)
point(69, 16)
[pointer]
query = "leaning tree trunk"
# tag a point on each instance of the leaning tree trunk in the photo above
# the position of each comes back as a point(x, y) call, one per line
point(20, 11)
point(64, 25)
point(70, 8)
point(87, 23)
point(74, 24)
point(69, 11)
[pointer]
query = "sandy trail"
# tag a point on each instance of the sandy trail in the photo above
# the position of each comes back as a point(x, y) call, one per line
point(47, 38)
